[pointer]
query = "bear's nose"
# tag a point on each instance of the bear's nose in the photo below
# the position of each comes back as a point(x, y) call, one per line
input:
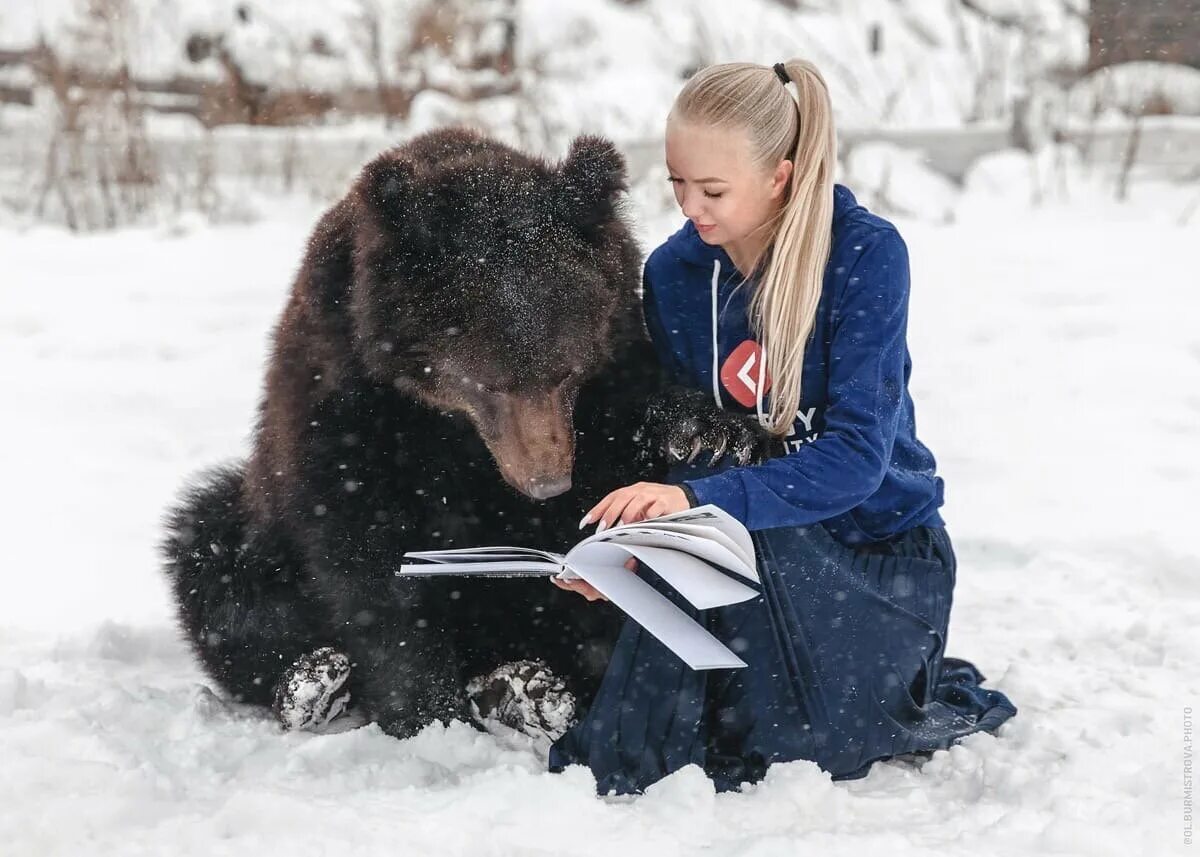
point(544, 489)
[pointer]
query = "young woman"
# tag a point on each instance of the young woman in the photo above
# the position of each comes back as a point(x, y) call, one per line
point(786, 301)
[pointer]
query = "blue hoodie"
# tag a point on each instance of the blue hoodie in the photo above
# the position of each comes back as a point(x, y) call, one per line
point(852, 460)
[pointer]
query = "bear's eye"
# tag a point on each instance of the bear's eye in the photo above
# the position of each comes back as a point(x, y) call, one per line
point(573, 373)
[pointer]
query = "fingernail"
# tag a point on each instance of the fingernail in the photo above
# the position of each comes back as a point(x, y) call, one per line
point(601, 527)
point(587, 519)
point(620, 522)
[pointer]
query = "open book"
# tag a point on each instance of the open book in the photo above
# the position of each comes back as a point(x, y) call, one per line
point(686, 549)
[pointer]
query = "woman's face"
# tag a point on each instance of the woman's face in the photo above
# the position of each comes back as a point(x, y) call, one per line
point(717, 185)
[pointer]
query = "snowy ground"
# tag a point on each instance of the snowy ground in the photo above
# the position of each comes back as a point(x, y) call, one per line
point(1057, 378)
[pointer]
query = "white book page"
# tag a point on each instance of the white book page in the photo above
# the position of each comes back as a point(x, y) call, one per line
point(639, 600)
point(702, 585)
point(708, 516)
point(694, 545)
point(710, 533)
point(482, 559)
point(498, 568)
point(496, 552)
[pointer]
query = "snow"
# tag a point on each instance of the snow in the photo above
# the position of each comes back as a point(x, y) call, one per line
point(1057, 364)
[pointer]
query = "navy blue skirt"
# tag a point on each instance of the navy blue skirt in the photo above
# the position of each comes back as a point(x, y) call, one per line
point(845, 652)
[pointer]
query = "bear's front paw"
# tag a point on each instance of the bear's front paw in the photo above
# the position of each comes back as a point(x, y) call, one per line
point(525, 696)
point(313, 691)
point(716, 434)
point(684, 423)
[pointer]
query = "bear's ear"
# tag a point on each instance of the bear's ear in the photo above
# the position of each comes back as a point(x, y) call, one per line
point(390, 190)
point(589, 181)
point(387, 185)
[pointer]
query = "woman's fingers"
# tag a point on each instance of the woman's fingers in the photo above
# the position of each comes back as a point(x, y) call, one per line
point(588, 591)
point(635, 503)
point(600, 509)
point(615, 510)
point(603, 511)
point(582, 587)
point(636, 509)
point(643, 508)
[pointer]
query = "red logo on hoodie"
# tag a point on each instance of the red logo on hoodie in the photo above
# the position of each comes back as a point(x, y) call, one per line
point(739, 374)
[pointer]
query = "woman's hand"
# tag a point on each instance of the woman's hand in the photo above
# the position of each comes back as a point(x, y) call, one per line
point(635, 503)
point(584, 588)
point(628, 505)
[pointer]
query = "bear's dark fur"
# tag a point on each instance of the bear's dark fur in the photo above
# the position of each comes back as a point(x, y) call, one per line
point(462, 361)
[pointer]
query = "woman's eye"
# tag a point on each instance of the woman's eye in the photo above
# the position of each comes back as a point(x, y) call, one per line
point(678, 181)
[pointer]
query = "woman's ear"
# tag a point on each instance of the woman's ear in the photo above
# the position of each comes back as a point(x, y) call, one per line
point(781, 179)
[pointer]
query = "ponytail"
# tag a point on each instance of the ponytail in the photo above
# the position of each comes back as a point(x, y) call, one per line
point(784, 303)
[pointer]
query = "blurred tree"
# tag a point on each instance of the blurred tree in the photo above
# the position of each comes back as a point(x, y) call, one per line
point(99, 166)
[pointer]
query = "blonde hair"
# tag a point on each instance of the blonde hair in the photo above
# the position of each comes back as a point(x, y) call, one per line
point(791, 268)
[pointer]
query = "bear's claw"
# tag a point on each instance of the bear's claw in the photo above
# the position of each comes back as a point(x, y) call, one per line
point(682, 423)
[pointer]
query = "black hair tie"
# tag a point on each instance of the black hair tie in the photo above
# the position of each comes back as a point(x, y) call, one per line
point(781, 73)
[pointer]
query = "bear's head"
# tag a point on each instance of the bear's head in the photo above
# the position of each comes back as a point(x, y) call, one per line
point(494, 284)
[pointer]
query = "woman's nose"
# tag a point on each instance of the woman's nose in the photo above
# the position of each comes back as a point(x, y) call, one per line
point(690, 206)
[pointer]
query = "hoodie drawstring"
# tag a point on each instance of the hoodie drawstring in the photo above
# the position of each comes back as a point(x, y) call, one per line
point(716, 381)
point(762, 356)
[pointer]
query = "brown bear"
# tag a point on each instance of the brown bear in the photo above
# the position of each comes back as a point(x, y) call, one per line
point(462, 361)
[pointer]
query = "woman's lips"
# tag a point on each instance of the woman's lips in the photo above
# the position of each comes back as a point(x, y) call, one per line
point(700, 228)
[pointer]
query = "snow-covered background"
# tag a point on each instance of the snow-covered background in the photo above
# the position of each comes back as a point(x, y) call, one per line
point(1055, 332)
